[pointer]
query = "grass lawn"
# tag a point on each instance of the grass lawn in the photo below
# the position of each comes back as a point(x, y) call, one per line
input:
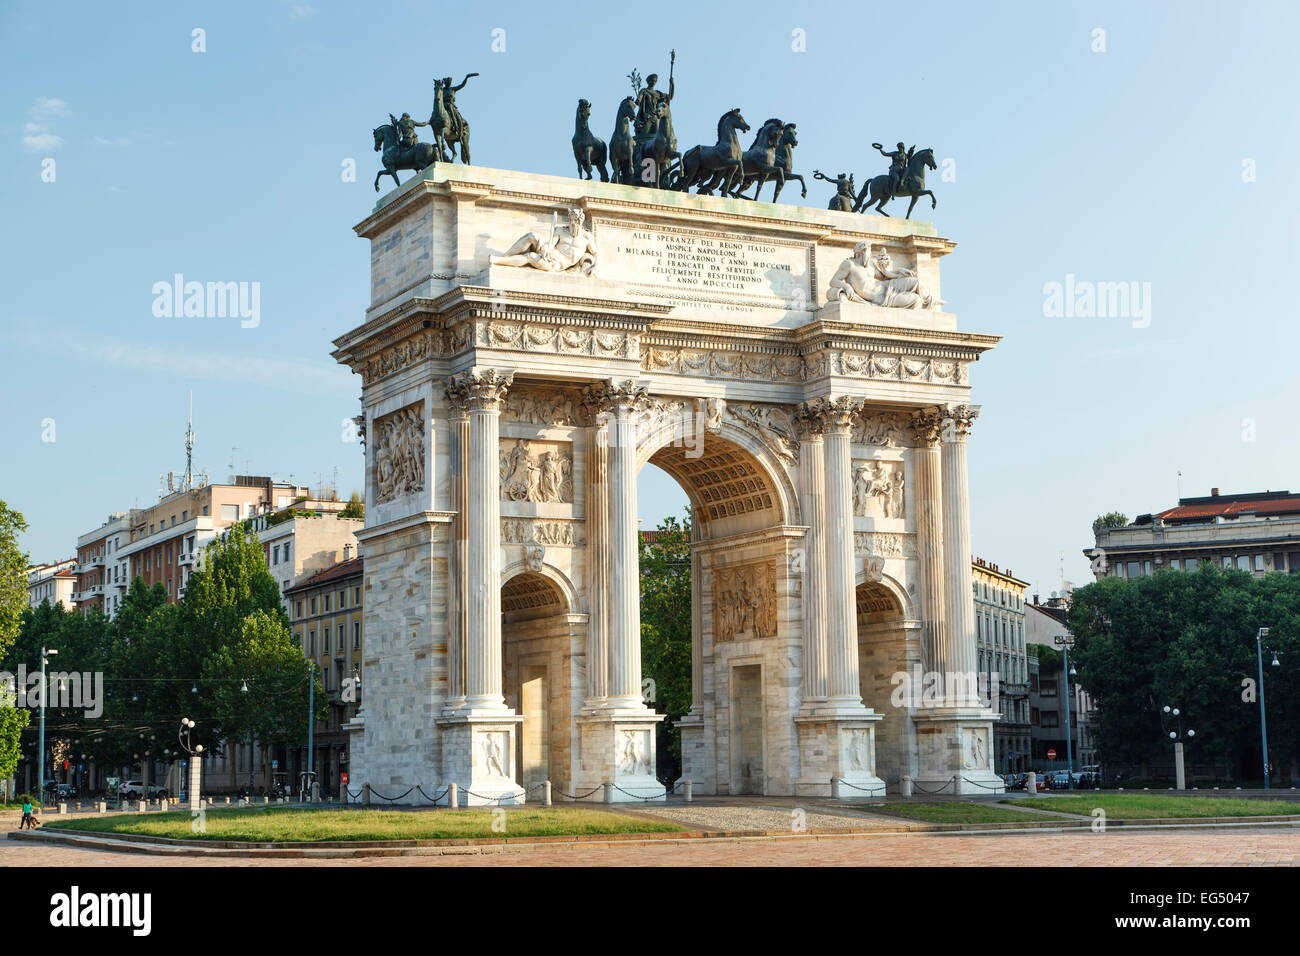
point(305, 826)
point(958, 813)
point(1144, 806)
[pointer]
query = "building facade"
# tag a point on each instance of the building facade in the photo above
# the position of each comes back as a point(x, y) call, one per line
point(1000, 644)
point(307, 537)
point(103, 572)
point(55, 582)
point(1258, 532)
point(1050, 689)
point(326, 615)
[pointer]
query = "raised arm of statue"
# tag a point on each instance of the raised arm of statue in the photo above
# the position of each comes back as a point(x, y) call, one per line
point(457, 89)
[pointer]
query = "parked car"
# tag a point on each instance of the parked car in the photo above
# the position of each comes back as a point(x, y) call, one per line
point(133, 789)
point(65, 791)
point(1061, 780)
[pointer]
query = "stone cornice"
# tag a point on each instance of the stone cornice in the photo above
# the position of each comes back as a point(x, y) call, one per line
point(405, 523)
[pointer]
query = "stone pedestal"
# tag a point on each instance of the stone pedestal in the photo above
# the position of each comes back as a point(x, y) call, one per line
point(956, 743)
point(196, 776)
point(699, 753)
point(838, 744)
point(478, 755)
point(619, 748)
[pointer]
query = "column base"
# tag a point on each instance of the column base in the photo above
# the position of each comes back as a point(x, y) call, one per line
point(478, 755)
point(837, 740)
point(699, 754)
point(954, 752)
point(618, 747)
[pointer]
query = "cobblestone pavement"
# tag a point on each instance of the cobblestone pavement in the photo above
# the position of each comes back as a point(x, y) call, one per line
point(1255, 847)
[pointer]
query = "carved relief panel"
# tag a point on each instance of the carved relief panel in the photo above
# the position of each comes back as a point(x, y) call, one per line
point(744, 602)
point(539, 471)
point(878, 489)
point(399, 453)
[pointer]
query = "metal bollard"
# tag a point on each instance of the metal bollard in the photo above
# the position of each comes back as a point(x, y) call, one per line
point(546, 793)
point(687, 789)
point(956, 785)
point(905, 786)
point(609, 791)
point(365, 795)
point(453, 796)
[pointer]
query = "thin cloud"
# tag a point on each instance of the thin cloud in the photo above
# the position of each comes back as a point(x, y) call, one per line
point(38, 130)
point(301, 376)
point(42, 142)
point(300, 11)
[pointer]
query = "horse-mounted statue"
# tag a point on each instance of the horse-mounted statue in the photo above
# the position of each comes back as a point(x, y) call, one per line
point(448, 125)
point(906, 177)
point(398, 148)
point(771, 157)
point(721, 165)
point(622, 144)
point(588, 150)
point(654, 149)
point(845, 191)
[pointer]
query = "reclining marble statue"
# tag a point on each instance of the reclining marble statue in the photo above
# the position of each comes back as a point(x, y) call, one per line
point(571, 249)
point(878, 282)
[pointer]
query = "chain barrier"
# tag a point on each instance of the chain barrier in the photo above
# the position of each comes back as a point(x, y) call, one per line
point(941, 789)
point(870, 790)
point(983, 785)
point(357, 795)
point(436, 797)
point(390, 799)
point(582, 796)
point(635, 796)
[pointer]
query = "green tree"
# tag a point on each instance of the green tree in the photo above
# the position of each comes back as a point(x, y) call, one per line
point(666, 628)
point(13, 605)
point(1113, 519)
point(356, 508)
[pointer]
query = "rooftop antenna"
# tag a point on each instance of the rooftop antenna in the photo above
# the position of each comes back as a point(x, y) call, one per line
point(1180, 486)
point(1062, 566)
point(334, 487)
point(233, 450)
point(188, 484)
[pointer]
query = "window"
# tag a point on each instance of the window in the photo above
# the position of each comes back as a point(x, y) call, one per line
point(1174, 564)
point(1047, 688)
point(1050, 718)
point(1133, 569)
point(312, 644)
point(356, 597)
point(342, 639)
point(185, 516)
point(1243, 562)
point(275, 555)
point(230, 512)
point(1279, 561)
point(313, 604)
point(343, 598)
point(205, 510)
point(286, 552)
point(1146, 567)
point(299, 614)
point(1227, 563)
point(327, 602)
point(1259, 562)
point(325, 640)
point(356, 635)
point(151, 527)
point(1190, 564)
point(1293, 561)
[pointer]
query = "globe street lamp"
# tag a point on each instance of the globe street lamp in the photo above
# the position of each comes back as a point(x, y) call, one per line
point(40, 756)
point(196, 754)
point(1180, 778)
point(1263, 727)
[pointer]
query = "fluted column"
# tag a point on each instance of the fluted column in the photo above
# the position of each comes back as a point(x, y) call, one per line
point(484, 389)
point(598, 552)
point(960, 616)
point(624, 400)
point(843, 687)
point(926, 427)
point(458, 482)
point(812, 495)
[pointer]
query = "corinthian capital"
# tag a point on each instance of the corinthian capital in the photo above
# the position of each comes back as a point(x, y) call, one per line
point(957, 421)
point(479, 389)
point(604, 398)
point(927, 426)
point(829, 416)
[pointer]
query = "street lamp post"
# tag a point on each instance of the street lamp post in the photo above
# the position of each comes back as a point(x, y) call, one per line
point(195, 758)
point(311, 725)
point(1263, 726)
point(40, 756)
point(1180, 777)
point(1065, 643)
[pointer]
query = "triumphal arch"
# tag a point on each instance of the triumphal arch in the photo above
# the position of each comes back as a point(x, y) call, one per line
point(532, 343)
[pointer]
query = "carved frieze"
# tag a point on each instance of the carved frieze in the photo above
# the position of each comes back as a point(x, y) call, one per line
point(545, 531)
point(542, 406)
point(555, 338)
point(884, 544)
point(744, 601)
point(883, 429)
point(773, 423)
point(536, 471)
point(878, 489)
point(721, 363)
point(397, 357)
point(399, 453)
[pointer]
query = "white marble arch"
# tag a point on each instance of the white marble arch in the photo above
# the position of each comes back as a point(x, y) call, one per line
point(895, 588)
point(572, 597)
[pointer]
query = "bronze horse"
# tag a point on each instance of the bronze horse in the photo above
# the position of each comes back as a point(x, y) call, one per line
point(622, 144)
point(876, 190)
point(588, 150)
point(723, 164)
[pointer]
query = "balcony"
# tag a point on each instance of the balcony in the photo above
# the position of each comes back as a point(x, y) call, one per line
point(124, 583)
point(1015, 691)
point(187, 558)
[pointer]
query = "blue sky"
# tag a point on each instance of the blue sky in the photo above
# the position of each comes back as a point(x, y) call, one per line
point(1122, 165)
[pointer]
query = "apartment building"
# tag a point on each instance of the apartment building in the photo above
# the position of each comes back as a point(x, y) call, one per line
point(1051, 688)
point(307, 537)
point(1000, 648)
point(325, 611)
point(1257, 532)
point(55, 582)
point(102, 571)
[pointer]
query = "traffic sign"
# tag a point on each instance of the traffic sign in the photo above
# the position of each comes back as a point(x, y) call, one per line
point(1051, 755)
point(345, 777)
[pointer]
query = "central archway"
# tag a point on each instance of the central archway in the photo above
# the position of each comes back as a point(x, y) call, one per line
point(744, 606)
